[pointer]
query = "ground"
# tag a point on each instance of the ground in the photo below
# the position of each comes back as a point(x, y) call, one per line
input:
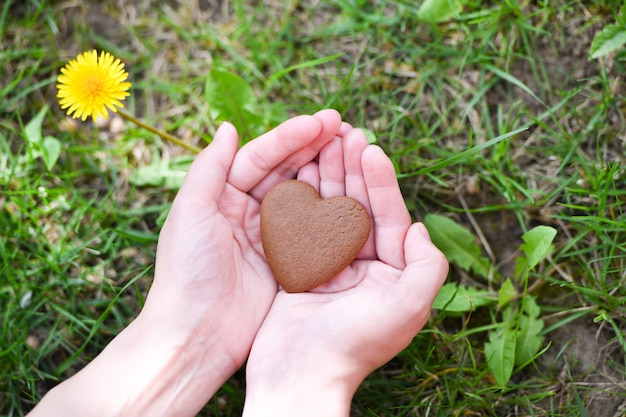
point(425, 91)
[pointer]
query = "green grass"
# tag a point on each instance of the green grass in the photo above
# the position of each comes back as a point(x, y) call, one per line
point(77, 242)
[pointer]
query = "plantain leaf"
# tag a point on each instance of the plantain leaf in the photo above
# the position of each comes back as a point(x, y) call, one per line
point(32, 131)
point(161, 172)
point(437, 11)
point(610, 38)
point(506, 293)
point(537, 245)
point(232, 99)
point(457, 243)
point(621, 16)
point(228, 94)
point(529, 337)
point(459, 299)
point(49, 147)
point(500, 353)
point(50, 151)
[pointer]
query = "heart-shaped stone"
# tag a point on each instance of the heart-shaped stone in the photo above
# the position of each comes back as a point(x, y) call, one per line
point(308, 240)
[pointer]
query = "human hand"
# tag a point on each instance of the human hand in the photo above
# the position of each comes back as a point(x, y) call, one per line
point(315, 348)
point(212, 287)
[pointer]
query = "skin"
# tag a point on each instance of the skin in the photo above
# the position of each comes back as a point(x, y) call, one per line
point(214, 302)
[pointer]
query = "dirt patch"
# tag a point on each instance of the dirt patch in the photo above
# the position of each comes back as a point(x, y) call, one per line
point(585, 362)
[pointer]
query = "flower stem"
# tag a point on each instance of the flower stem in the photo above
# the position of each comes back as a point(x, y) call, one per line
point(162, 134)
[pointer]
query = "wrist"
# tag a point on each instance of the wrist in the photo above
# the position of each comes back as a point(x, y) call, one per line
point(300, 389)
point(147, 370)
point(175, 373)
point(302, 398)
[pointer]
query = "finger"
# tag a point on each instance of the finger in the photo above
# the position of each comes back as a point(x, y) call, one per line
point(389, 213)
point(427, 267)
point(331, 171)
point(331, 121)
point(280, 153)
point(207, 175)
point(345, 128)
point(260, 156)
point(354, 143)
point(310, 174)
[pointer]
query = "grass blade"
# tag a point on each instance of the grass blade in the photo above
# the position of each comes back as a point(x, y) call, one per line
point(462, 155)
point(516, 82)
point(301, 65)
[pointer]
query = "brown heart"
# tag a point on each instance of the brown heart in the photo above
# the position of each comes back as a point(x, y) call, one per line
point(308, 240)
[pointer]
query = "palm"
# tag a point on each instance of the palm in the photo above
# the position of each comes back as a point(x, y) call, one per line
point(332, 319)
point(231, 277)
point(368, 322)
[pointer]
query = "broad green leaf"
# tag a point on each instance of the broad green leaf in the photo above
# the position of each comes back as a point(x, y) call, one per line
point(529, 339)
point(169, 174)
point(228, 93)
point(621, 17)
point(32, 131)
point(530, 306)
point(506, 293)
point(232, 99)
point(500, 354)
point(457, 243)
point(437, 11)
point(537, 245)
point(50, 151)
point(610, 38)
point(460, 299)
point(48, 148)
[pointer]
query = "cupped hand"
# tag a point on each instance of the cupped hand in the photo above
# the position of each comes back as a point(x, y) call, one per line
point(366, 315)
point(212, 284)
point(212, 288)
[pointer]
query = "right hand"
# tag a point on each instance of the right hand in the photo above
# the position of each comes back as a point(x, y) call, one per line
point(315, 348)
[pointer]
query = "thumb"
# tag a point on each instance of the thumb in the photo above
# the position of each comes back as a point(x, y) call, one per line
point(207, 175)
point(427, 267)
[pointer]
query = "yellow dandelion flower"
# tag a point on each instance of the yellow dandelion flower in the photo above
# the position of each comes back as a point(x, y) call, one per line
point(90, 84)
